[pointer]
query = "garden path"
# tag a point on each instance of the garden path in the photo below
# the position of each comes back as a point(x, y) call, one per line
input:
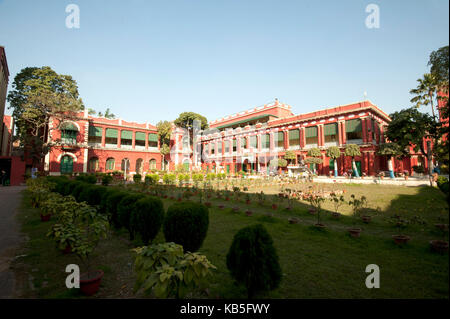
point(10, 237)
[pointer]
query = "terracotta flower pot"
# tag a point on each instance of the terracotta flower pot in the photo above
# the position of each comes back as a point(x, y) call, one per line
point(248, 201)
point(235, 209)
point(443, 227)
point(45, 218)
point(401, 239)
point(221, 206)
point(312, 211)
point(90, 286)
point(355, 232)
point(439, 246)
point(293, 220)
point(274, 206)
point(227, 198)
point(366, 219)
point(248, 213)
point(320, 226)
point(67, 250)
point(208, 204)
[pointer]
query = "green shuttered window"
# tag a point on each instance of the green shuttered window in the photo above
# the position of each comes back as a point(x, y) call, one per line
point(111, 133)
point(153, 137)
point(294, 134)
point(330, 129)
point(95, 131)
point(353, 126)
point(140, 136)
point(311, 131)
point(253, 141)
point(128, 135)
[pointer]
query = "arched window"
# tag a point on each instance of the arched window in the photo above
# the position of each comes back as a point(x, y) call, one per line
point(110, 164)
point(93, 164)
point(125, 165)
point(69, 133)
point(139, 166)
point(152, 164)
point(66, 164)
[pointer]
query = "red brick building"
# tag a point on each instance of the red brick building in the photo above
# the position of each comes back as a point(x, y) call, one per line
point(93, 144)
point(249, 140)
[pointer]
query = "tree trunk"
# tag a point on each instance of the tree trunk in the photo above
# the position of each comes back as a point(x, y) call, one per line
point(335, 168)
point(354, 168)
point(430, 162)
point(390, 168)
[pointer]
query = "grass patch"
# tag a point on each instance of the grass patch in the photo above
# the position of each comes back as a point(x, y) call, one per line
point(315, 263)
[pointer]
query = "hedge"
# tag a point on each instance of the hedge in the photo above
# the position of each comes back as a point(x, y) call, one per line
point(186, 224)
point(147, 217)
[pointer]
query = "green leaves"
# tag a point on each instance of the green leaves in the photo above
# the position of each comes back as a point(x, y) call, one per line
point(165, 270)
point(333, 152)
point(352, 150)
point(390, 149)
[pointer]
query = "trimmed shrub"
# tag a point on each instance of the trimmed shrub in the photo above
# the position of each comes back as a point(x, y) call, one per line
point(186, 224)
point(137, 178)
point(87, 178)
point(76, 191)
point(253, 261)
point(106, 179)
point(112, 203)
point(124, 210)
point(147, 217)
point(443, 184)
point(68, 188)
point(92, 194)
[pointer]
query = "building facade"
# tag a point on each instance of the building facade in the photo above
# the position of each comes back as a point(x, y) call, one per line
point(94, 144)
point(4, 78)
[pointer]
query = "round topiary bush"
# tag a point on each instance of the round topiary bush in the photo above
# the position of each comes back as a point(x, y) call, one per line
point(92, 194)
point(147, 217)
point(68, 188)
point(76, 191)
point(253, 260)
point(112, 202)
point(124, 209)
point(186, 224)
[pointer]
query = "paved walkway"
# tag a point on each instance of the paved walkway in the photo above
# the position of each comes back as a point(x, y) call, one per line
point(10, 237)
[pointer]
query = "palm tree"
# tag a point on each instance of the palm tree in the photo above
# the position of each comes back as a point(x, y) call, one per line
point(426, 91)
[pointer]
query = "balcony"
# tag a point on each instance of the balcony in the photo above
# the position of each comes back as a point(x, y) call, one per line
point(308, 146)
point(355, 141)
point(94, 144)
point(126, 147)
point(328, 144)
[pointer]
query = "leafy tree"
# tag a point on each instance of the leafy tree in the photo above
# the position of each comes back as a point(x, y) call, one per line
point(353, 150)
point(164, 132)
point(334, 153)
point(186, 120)
point(439, 62)
point(408, 128)
point(390, 150)
point(39, 94)
point(315, 157)
point(290, 156)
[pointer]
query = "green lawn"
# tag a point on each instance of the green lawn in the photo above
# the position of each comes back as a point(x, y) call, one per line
point(315, 263)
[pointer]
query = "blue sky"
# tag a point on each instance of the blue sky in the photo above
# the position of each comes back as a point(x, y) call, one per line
point(151, 60)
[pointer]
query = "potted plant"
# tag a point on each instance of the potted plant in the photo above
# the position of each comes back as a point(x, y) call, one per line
point(92, 226)
point(293, 220)
point(337, 202)
point(248, 212)
point(316, 201)
point(274, 203)
point(247, 199)
point(401, 239)
point(440, 246)
point(406, 174)
point(356, 205)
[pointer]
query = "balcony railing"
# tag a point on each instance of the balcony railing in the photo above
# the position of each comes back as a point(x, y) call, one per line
point(356, 141)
